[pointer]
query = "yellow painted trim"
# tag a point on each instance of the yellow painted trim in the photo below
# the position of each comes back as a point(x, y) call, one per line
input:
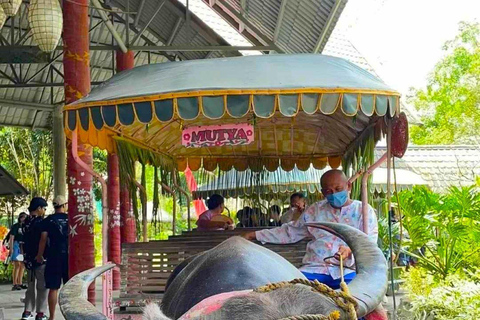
point(316, 104)
point(345, 113)
point(225, 106)
point(363, 108)
point(117, 121)
point(200, 99)
point(334, 109)
point(155, 111)
point(199, 112)
point(275, 100)
point(188, 94)
point(299, 96)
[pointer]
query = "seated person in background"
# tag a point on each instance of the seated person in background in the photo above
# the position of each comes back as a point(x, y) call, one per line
point(258, 218)
point(321, 261)
point(244, 217)
point(212, 219)
point(297, 206)
point(274, 216)
point(241, 219)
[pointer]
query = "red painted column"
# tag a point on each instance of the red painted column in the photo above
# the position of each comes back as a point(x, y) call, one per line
point(114, 249)
point(76, 61)
point(125, 61)
point(128, 228)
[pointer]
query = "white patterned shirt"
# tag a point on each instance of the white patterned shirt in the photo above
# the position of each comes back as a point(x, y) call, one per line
point(323, 244)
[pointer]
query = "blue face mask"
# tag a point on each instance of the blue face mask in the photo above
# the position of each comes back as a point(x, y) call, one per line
point(338, 199)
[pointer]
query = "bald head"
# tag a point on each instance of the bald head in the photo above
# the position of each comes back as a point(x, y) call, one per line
point(333, 176)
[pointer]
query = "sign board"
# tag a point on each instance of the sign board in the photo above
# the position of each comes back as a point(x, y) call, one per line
point(218, 136)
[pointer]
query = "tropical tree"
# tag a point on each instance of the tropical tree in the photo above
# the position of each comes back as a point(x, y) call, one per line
point(450, 103)
point(28, 155)
point(444, 230)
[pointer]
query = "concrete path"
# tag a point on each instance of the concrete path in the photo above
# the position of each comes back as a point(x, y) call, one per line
point(12, 307)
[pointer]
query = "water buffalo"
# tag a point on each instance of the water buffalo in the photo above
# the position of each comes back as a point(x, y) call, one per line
point(237, 265)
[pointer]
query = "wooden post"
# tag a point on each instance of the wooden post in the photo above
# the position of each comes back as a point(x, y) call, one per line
point(76, 61)
point(128, 228)
point(114, 249)
point(59, 154)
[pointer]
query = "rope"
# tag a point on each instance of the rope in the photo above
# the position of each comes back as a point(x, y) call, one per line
point(342, 298)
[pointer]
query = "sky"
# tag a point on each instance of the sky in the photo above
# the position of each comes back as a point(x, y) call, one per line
point(401, 39)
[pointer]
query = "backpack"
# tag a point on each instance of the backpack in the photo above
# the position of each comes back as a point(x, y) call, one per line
point(31, 238)
point(59, 235)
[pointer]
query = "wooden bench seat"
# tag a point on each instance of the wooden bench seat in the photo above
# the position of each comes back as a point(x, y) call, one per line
point(146, 267)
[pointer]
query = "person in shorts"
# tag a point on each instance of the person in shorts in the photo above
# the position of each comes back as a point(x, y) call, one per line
point(16, 252)
point(54, 247)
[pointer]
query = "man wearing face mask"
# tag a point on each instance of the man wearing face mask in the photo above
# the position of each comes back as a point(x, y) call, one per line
point(321, 261)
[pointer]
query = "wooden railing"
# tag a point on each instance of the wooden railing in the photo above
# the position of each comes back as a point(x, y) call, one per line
point(146, 267)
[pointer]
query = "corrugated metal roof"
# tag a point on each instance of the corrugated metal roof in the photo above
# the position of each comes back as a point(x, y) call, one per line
point(298, 31)
point(441, 166)
point(294, 26)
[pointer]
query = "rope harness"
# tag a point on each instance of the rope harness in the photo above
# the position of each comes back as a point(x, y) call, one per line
point(342, 298)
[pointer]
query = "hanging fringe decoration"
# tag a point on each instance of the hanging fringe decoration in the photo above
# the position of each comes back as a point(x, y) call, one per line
point(156, 198)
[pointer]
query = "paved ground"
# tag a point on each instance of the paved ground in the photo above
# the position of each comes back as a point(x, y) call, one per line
point(12, 306)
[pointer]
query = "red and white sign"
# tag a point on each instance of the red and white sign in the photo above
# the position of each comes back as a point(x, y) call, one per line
point(218, 136)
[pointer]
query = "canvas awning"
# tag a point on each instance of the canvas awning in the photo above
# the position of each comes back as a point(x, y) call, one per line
point(242, 184)
point(306, 109)
point(9, 186)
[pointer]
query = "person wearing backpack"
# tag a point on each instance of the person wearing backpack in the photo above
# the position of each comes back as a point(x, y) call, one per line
point(54, 247)
point(36, 294)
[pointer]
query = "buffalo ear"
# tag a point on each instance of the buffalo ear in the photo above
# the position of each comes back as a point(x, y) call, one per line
point(152, 312)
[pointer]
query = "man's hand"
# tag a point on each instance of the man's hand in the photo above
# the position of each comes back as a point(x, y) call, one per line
point(39, 259)
point(343, 251)
point(250, 235)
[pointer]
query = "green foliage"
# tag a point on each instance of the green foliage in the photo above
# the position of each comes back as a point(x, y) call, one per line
point(447, 227)
point(28, 156)
point(454, 298)
point(383, 235)
point(6, 273)
point(450, 102)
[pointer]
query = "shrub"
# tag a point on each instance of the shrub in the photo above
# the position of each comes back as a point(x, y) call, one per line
point(454, 298)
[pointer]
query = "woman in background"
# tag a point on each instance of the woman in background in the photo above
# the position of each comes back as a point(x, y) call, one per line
point(212, 219)
point(16, 252)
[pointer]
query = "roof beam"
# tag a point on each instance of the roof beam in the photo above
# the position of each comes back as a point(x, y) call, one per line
point(174, 32)
point(44, 67)
point(24, 126)
point(38, 113)
point(39, 85)
point(323, 36)
point(243, 6)
point(34, 50)
point(26, 105)
point(144, 38)
point(233, 17)
point(109, 25)
point(139, 13)
point(160, 6)
point(278, 25)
